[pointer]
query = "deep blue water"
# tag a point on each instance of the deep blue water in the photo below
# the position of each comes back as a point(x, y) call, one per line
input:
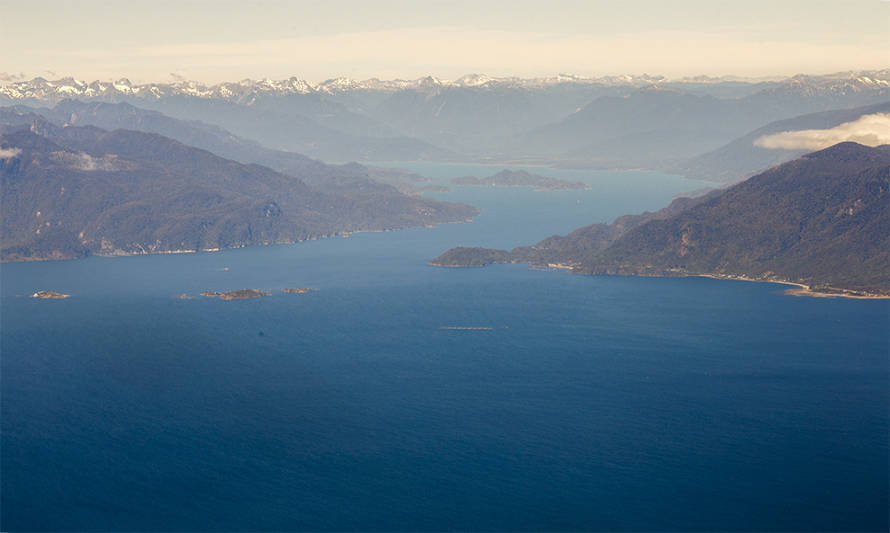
point(593, 403)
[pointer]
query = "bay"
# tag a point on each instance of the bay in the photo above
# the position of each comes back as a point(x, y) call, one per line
point(583, 403)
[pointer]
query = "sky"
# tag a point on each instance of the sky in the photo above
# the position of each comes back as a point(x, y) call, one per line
point(228, 40)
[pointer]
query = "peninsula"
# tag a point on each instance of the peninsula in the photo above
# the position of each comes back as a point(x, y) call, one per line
point(818, 222)
point(521, 178)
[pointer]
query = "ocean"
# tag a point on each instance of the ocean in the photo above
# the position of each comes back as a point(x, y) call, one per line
point(401, 396)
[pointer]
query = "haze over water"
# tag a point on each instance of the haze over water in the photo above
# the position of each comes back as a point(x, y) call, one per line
point(592, 403)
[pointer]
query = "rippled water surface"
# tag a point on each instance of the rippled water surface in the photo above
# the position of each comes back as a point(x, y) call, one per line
point(585, 403)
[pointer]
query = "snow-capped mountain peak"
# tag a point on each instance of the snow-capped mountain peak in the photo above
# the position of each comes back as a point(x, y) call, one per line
point(248, 90)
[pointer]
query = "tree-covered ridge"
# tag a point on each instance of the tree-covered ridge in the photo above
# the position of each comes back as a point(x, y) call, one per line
point(74, 191)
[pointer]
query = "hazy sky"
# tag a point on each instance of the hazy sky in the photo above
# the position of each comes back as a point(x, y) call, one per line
point(219, 40)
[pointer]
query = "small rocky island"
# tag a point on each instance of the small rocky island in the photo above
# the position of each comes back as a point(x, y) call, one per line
point(297, 290)
point(521, 178)
point(50, 295)
point(241, 294)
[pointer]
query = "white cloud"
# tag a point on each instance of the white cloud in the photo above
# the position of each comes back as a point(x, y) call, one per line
point(870, 130)
point(9, 152)
point(88, 163)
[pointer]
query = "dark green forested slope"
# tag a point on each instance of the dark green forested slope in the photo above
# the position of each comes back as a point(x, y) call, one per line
point(72, 191)
point(569, 249)
point(821, 220)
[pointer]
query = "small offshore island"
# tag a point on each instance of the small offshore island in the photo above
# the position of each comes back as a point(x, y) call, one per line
point(241, 294)
point(521, 178)
point(50, 295)
point(297, 290)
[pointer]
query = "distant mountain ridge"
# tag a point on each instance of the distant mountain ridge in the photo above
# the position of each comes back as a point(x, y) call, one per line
point(741, 158)
point(659, 128)
point(609, 122)
point(242, 91)
point(113, 116)
point(822, 220)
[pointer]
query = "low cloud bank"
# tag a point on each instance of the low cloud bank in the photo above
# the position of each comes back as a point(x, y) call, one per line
point(870, 130)
point(88, 163)
point(9, 152)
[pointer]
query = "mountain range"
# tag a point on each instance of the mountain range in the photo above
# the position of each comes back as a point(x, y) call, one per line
point(619, 121)
point(244, 91)
point(111, 177)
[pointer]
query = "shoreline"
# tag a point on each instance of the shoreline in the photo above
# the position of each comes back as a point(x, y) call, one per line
point(559, 165)
point(801, 290)
point(121, 253)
